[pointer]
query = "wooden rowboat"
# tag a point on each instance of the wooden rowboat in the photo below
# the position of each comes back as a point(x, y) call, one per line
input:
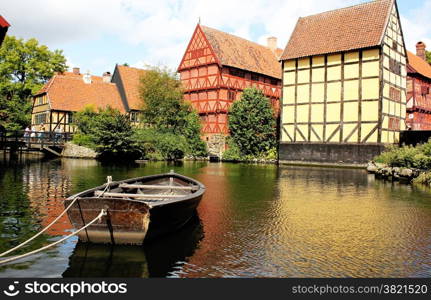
point(136, 209)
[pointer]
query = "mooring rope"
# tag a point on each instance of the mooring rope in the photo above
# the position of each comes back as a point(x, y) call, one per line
point(39, 233)
point(101, 214)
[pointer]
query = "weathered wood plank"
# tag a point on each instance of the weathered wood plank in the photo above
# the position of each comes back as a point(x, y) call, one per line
point(138, 196)
point(158, 187)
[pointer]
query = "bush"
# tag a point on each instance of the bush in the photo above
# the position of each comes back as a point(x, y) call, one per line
point(423, 178)
point(232, 153)
point(407, 157)
point(84, 140)
point(108, 132)
point(154, 145)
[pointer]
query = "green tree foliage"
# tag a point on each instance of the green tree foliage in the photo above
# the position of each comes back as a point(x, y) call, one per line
point(108, 131)
point(164, 110)
point(428, 56)
point(155, 145)
point(252, 124)
point(24, 67)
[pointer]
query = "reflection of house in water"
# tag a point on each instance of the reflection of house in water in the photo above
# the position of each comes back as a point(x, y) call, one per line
point(46, 190)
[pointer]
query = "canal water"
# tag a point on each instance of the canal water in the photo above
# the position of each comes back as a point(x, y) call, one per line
point(254, 221)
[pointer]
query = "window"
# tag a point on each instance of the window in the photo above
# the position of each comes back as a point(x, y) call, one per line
point(274, 81)
point(394, 66)
point(134, 116)
point(40, 100)
point(70, 117)
point(394, 124)
point(395, 94)
point(425, 90)
point(254, 77)
point(231, 95)
point(395, 45)
point(40, 118)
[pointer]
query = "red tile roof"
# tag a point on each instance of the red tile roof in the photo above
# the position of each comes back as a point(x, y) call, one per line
point(240, 53)
point(130, 78)
point(68, 92)
point(345, 29)
point(419, 65)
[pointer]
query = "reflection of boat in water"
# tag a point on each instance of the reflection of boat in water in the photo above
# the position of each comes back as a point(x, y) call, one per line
point(135, 209)
point(156, 259)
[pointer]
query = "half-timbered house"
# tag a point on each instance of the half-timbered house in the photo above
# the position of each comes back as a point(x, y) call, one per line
point(344, 84)
point(127, 80)
point(216, 68)
point(69, 92)
point(4, 26)
point(418, 90)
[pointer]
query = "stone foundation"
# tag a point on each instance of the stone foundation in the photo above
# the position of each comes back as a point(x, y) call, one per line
point(74, 151)
point(329, 153)
point(216, 144)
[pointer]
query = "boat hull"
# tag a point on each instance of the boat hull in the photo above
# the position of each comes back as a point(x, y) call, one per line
point(168, 218)
point(126, 222)
point(137, 209)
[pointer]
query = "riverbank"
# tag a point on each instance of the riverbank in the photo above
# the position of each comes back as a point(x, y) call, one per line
point(383, 171)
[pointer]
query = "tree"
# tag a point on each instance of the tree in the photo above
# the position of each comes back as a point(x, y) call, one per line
point(24, 67)
point(108, 131)
point(428, 56)
point(163, 108)
point(252, 123)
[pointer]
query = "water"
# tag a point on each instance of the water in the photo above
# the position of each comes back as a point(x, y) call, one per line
point(254, 221)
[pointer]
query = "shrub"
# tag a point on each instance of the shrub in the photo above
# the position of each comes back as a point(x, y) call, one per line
point(423, 178)
point(233, 152)
point(408, 157)
point(85, 140)
point(154, 145)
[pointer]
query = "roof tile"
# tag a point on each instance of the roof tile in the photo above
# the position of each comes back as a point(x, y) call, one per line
point(68, 92)
point(419, 65)
point(240, 53)
point(345, 29)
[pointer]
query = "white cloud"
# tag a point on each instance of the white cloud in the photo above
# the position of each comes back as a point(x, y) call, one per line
point(164, 27)
point(416, 26)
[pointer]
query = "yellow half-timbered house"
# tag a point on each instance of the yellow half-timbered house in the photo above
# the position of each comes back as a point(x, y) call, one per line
point(344, 84)
point(69, 92)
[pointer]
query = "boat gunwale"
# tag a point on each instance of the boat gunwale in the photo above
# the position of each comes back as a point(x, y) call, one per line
point(196, 194)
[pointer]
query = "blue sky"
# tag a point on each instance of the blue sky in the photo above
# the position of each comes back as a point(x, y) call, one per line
point(97, 34)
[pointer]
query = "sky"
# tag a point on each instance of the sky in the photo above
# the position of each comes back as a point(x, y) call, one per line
point(97, 34)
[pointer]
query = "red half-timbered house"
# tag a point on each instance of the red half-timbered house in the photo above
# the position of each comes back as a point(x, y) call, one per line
point(217, 67)
point(418, 90)
point(4, 26)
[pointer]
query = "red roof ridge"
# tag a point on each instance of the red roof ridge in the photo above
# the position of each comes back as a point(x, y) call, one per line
point(235, 36)
point(344, 8)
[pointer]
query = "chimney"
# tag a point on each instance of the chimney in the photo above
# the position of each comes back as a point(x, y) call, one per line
point(87, 77)
point(76, 71)
point(420, 50)
point(272, 43)
point(107, 77)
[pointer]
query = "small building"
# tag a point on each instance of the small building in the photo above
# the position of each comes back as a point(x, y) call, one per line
point(4, 26)
point(127, 80)
point(418, 90)
point(216, 68)
point(69, 92)
point(344, 84)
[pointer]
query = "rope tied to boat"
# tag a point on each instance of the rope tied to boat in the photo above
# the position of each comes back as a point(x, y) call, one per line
point(42, 231)
point(98, 218)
